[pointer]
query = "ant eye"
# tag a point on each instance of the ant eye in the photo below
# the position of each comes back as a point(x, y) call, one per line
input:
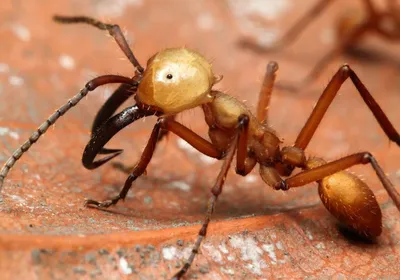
point(169, 76)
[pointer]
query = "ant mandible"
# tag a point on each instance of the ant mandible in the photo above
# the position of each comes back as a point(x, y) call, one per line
point(350, 29)
point(179, 79)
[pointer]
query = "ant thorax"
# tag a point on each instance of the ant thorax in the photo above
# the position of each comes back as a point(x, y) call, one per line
point(222, 117)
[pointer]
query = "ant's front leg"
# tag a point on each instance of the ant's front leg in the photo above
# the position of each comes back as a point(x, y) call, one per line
point(127, 168)
point(126, 117)
point(137, 171)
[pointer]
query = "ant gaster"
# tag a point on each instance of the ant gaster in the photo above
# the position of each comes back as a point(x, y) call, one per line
point(179, 79)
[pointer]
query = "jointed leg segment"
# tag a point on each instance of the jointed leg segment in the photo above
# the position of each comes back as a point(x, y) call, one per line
point(314, 120)
point(216, 191)
point(344, 163)
point(326, 99)
point(239, 140)
point(116, 123)
point(137, 171)
point(241, 167)
point(266, 92)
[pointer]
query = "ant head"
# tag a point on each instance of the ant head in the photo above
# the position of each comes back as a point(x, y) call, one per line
point(176, 80)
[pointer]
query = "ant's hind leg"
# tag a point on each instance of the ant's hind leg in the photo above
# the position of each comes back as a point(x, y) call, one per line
point(295, 156)
point(346, 196)
point(308, 130)
point(330, 92)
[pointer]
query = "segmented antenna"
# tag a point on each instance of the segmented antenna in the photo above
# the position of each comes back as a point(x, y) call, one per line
point(90, 86)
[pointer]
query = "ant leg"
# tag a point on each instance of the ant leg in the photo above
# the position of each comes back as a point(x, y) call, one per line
point(139, 168)
point(121, 120)
point(333, 167)
point(266, 91)
point(307, 132)
point(389, 32)
point(343, 194)
point(369, 6)
point(113, 29)
point(244, 163)
point(294, 31)
point(294, 156)
point(394, 7)
point(216, 191)
point(317, 70)
point(127, 168)
point(90, 86)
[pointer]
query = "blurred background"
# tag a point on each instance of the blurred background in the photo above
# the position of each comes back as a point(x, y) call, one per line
point(43, 64)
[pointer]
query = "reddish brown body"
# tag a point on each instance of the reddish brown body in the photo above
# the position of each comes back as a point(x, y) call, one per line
point(221, 116)
point(346, 196)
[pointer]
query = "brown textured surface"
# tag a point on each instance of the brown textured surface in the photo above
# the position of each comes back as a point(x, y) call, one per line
point(46, 232)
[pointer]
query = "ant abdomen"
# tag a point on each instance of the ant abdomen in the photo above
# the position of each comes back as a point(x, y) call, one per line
point(350, 200)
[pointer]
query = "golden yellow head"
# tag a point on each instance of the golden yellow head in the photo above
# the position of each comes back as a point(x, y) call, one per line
point(176, 80)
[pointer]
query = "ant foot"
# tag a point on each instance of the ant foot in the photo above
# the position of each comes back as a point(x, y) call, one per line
point(102, 204)
point(281, 186)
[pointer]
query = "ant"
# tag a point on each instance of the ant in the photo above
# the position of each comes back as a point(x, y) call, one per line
point(350, 29)
point(178, 79)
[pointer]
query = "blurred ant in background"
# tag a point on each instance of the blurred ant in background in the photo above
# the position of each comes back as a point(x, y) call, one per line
point(350, 29)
